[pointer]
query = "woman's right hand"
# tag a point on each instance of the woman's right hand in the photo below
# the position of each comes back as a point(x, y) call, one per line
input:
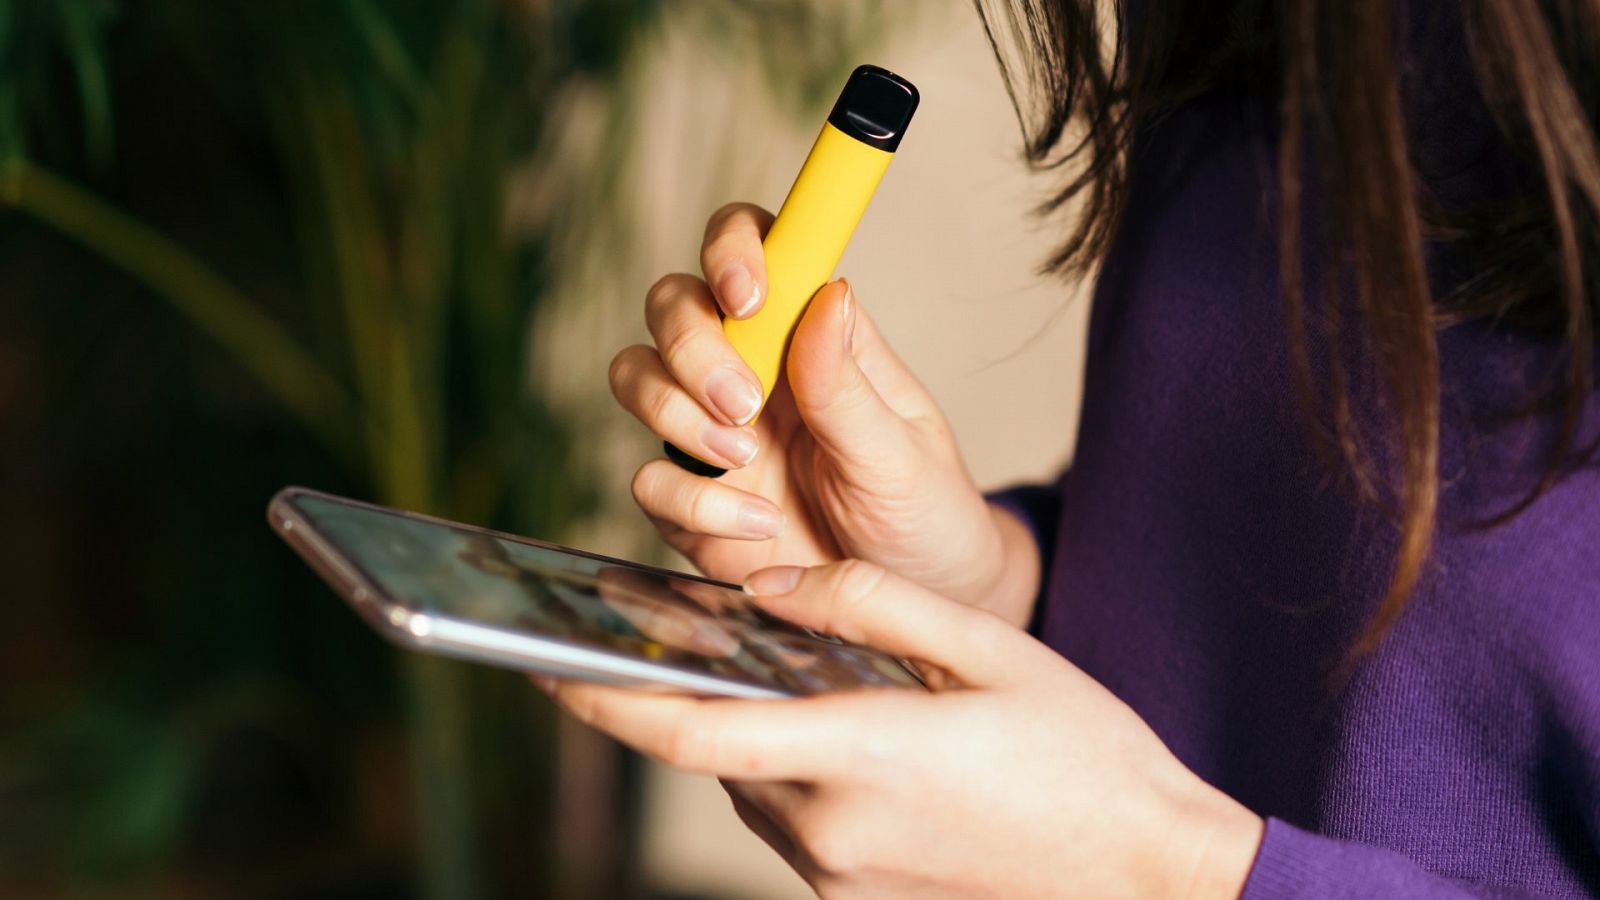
point(850, 458)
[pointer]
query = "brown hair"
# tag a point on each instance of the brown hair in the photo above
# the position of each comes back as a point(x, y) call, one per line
point(1336, 68)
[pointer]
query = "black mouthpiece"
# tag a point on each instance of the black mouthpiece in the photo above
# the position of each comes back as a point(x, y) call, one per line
point(875, 107)
point(694, 466)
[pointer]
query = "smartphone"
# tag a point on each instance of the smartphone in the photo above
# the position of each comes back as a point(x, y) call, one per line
point(466, 592)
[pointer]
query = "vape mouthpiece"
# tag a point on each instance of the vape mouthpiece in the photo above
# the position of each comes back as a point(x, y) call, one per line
point(875, 107)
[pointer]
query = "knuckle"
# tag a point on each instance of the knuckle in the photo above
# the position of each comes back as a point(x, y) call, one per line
point(655, 489)
point(852, 395)
point(678, 344)
point(644, 485)
point(850, 586)
point(656, 406)
point(856, 580)
point(577, 704)
point(722, 216)
point(625, 367)
point(666, 291)
point(829, 840)
point(688, 744)
point(665, 492)
point(742, 223)
point(993, 635)
point(845, 399)
point(701, 505)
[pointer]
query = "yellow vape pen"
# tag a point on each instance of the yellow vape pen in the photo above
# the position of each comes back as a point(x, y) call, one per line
point(816, 221)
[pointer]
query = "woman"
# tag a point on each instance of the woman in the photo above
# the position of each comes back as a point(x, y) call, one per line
point(1316, 610)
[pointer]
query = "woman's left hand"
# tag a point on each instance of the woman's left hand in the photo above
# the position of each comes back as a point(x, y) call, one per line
point(1017, 776)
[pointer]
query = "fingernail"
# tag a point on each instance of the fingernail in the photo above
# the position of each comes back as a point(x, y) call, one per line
point(847, 312)
point(736, 445)
point(734, 395)
point(760, 519)
point(738, 290)
point(775, 581)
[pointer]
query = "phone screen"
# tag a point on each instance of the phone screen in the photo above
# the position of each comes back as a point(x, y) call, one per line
point(608, 605)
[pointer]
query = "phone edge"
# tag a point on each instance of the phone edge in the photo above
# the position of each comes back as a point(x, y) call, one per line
point(400, 625)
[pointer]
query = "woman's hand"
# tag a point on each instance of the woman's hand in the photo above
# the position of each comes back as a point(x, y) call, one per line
point(1017, 776)
point(851, 458)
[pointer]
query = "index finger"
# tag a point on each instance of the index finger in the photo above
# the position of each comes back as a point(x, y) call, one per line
point(865, 604)
point(731, 258)
point(787, 740)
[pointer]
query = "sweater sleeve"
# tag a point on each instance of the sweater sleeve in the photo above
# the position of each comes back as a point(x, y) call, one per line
point(1296, 865)
point(1037, 506)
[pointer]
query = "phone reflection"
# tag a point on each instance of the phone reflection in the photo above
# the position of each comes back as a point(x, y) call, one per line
point(601, 604)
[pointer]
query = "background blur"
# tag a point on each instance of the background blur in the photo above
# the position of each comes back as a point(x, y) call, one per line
point(388, 249)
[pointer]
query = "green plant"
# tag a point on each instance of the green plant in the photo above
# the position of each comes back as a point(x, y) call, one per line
point(362, 275)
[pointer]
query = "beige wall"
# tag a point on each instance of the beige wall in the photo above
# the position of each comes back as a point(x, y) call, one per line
point(944, 261)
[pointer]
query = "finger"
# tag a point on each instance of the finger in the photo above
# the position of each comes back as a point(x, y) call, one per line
point(770, 832)
point(865, 604)
point(684, 500)
point(661, 615)
point(771, 809)
point(640, 383)
point(682, 540)
point(731, 258)
point(682, 318)
point(781, 801)
point(786, 740)
point(839, 404)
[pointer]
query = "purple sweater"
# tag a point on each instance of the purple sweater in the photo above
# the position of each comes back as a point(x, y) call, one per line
point(1202, 564)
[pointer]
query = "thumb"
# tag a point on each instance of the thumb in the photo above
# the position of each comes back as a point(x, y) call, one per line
point(862, 603)
point(837, 401)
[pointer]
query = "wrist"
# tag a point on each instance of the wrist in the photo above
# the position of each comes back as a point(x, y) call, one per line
point(1216, 842)
point(1010, 586)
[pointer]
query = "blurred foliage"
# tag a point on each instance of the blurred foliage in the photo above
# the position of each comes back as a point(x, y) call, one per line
point(252, 243)
point(37, 38)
